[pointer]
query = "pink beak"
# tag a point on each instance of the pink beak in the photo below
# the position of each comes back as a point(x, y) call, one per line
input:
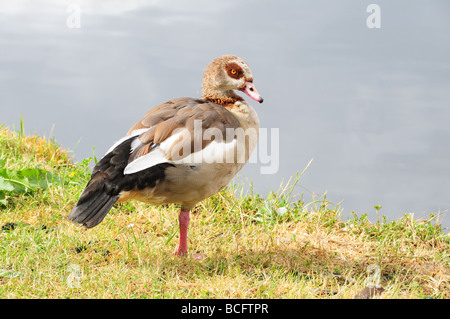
point(251, 91)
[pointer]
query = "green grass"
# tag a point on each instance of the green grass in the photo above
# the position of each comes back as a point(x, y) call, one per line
point(241, 245)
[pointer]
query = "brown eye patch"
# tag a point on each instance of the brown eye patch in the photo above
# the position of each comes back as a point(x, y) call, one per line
point(234, 71)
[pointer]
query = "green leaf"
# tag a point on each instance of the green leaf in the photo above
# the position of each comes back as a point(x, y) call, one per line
point(3, 173)
point(40, 178)
point(16, 179)
point(35, 177)
point(5, 185)
point(3, 198)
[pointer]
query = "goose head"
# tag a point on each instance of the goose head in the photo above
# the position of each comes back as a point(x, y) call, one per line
point(226, 74)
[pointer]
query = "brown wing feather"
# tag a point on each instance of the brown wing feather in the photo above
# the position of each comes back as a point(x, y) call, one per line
point(174, 115)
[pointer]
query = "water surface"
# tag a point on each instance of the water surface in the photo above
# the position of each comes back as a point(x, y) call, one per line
point(370, 106)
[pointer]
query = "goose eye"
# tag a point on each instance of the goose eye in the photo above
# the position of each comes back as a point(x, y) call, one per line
point(233, 71)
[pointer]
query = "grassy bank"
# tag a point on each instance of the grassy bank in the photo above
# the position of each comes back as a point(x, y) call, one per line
point(241, 245)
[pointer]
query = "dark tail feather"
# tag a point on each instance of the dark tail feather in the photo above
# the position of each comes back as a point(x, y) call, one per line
point(92, 207)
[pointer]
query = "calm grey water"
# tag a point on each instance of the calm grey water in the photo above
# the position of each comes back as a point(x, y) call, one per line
point(369, 105)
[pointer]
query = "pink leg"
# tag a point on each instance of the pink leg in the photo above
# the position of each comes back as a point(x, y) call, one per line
point(183, 220)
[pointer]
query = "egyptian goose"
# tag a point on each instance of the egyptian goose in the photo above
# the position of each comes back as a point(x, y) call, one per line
point(182, 151)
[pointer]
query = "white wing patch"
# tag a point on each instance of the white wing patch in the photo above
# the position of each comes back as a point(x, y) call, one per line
point(155, 157)
point(123, 139)
point(215, 152)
